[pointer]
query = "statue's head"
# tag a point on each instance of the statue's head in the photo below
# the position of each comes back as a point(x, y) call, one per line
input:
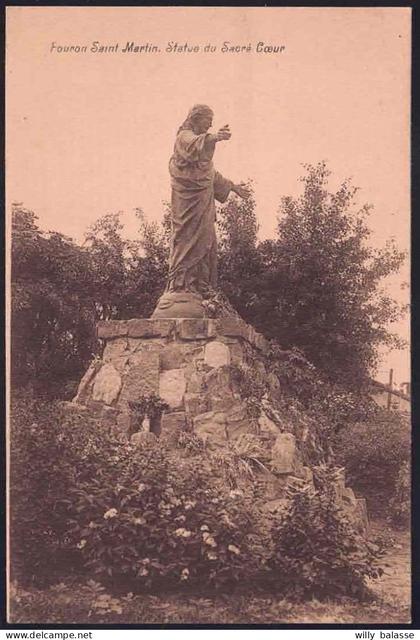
point(199, 119)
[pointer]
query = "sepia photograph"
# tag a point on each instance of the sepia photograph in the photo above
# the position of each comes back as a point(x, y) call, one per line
point(208, 324)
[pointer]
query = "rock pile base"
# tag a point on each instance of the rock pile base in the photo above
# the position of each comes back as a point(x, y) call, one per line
point(190, 364)
point(186, 362)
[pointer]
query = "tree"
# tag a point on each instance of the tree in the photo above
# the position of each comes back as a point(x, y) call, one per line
point(240, 268)
point(52, 311)
point(60, 290)
point(107, 250)
point(147, 266)
point(339, 313)
point(317, 285)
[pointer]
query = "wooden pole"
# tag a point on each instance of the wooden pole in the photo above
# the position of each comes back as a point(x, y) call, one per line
point(391, 375)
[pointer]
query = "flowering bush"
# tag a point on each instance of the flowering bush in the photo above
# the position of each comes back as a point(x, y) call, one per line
point(317, 552)
point(161, 521)
point(52, 452)
point(154, 518)
point(144, 515)
point(373, 453)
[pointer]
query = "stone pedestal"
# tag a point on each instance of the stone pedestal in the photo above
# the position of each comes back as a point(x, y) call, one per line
point(186, 362)
point(190, 365)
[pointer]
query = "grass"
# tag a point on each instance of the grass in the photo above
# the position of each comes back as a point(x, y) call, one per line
point(88, 603)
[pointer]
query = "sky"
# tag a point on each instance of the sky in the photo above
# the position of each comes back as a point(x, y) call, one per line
point(90, 133)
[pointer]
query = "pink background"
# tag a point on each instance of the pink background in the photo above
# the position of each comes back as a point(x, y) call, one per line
point(89, 134)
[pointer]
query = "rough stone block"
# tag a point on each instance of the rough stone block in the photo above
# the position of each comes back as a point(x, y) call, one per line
point(261, 343)
point(125, 424)
point(172, 385)
point(212, 328)
point(142, 377)
point(217, 379)
point(107, 385)
point(356, 511)
point(173, 427)
point(238, 428)
point(236, 413)
point(195, 383)
point(211, 427)
point(142, 438)
point(363, 513)
point(221, 401)
point(340, 485)
point(267, 425)
point(117, 353)
point(216, 354)
point(232, 326)
point(236, 353)
point(83, 390)
point(284, 453)
point(251, 334)
point(273, 382)
point(173, 422)
point(111, 328)
point(238, 422)
point(175, 355)
point(218, 388)
point(115, 348)
point(347, 495)
point(195, 404)
point(142, 328)
point(165, 328)
point(192, 328)
point(149, 328)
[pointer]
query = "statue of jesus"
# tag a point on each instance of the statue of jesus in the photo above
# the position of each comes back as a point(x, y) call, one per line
point(195, 186)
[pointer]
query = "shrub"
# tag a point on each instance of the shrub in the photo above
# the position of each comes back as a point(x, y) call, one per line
point(146, 516)
point(162, 521)
point(401, 500)
point(51, 451)
point(317, 552)
point(373, 453)
point(154, 518)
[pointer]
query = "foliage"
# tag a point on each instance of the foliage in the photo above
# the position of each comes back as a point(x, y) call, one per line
point(47, 451)
point(75, 602)
point(401, 500)
point(60, 290)
point(128, 275)
point(126, 514)
point(240, 461)
point(330, 405)
point(150, 405)
point(252, 386)
point(373, 453)
point(317, 285)
point(53, 310)
point(150, 526)
point(317, 551)
point(152, 518)
point(240, 266)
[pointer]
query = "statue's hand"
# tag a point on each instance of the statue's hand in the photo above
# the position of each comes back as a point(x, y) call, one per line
point(223, 133)
point(241, 190)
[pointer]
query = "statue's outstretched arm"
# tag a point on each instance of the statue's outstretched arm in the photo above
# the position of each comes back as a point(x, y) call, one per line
point(222, 187)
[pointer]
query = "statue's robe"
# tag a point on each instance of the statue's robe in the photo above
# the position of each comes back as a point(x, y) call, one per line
point(195, 186)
